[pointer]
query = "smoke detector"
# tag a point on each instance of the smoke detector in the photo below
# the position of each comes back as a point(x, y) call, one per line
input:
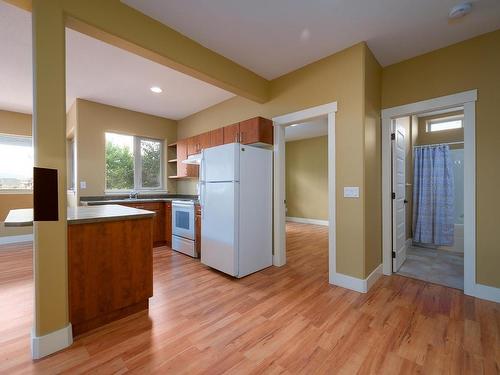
point(460, 10)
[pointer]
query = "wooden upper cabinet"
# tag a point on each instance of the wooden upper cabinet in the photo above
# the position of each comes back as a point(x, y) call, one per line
point(232, 133)
point(216, 137)
point(185, 170)
point(203, 142)
point(256, 130)
point(193, 145)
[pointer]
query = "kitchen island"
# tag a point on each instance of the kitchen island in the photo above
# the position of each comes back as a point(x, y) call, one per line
point(110, 262)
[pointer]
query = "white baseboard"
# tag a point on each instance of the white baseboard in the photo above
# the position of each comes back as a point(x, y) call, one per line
point(15, 239)
point(358, 285)
point(304, 220)
point(42, 346)
point(486, 292)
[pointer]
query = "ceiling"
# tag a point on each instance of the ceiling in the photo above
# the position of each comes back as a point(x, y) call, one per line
point(274, 37)
point(309, 129)
point(98, 72)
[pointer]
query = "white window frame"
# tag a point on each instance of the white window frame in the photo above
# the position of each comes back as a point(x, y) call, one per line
point(138, 166)
point(429, 123)
point(17, 191)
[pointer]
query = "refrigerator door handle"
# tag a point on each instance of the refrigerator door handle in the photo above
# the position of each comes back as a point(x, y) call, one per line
point(202, 181)
point(202, 195)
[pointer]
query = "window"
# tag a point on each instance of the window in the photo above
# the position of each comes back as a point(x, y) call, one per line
point(133, 163)
point(447, 123)
point(16, 162)
point(71, 158)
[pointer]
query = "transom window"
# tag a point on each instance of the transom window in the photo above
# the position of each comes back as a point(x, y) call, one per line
point(16, 163)
point(133, 163)
point(447, 123)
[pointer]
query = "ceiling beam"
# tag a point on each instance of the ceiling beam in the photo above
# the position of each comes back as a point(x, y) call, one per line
point(115, 23)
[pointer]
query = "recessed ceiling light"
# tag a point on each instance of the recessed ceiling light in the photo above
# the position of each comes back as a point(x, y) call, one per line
point(156, 89)
point(460, 10)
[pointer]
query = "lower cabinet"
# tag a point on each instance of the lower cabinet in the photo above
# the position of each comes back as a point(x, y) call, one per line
point(162, 221)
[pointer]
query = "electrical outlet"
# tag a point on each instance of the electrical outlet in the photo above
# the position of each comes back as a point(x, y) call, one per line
point(83, 184)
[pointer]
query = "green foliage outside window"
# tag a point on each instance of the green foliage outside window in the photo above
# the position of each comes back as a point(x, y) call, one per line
point(151, 164)
point(119, 167)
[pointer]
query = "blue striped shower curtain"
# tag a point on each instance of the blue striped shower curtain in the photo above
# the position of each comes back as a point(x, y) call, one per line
point(433, 196)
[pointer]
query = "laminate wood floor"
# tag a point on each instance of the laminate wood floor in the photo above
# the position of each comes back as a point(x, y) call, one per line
point(286, 320)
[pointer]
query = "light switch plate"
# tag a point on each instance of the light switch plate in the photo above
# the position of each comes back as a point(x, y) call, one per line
point(351, 192)
point(83, 184)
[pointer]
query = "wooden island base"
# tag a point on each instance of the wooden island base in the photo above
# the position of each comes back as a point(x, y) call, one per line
point(110, 271)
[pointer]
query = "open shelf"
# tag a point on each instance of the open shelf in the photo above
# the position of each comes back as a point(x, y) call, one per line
point(174, 144)
point(172, 161)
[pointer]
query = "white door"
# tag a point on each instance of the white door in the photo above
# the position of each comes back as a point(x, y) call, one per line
point(399, 196)
point(256, 207)
point(219, 226)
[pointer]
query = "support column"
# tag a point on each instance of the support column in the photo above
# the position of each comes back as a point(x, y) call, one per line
point(51, 328)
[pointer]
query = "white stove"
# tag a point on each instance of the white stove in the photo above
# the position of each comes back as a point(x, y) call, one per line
point(183, 231)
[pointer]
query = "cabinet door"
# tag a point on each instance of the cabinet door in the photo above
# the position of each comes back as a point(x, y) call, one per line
point(231, 133)
point(158, 219)
point(193, 145)
point(197, 228)
point(256, 130)
point(204, 141)
point(168, 223)
point(158, 225)
point(216, 137)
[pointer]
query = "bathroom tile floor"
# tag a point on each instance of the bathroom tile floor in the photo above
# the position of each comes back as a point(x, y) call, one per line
point(435, 266)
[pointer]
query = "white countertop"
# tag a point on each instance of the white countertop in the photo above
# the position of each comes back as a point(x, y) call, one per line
point(81, 215)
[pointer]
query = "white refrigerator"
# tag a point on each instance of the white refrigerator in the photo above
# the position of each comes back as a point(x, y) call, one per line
point(236, 204)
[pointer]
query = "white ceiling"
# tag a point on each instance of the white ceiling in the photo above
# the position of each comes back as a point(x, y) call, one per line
point(98, 72)
point(274, 37)
point(309, 129)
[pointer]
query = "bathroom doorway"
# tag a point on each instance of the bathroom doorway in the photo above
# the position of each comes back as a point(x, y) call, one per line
point(435, 117)
point(428, 200)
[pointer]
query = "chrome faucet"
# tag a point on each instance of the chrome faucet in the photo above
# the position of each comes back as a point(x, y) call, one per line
point(133, 195)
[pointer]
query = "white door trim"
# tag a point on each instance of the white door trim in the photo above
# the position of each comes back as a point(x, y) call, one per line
point(466, 99)
point(280, 122)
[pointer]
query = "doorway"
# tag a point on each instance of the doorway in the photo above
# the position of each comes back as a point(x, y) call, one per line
point(280, 124)
point(397, 201)
point(428, 199)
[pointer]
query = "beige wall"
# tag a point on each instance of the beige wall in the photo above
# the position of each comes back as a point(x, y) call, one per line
point(93, 120)
point(372, 164)
point(307, 178)
point(19, 124)
point(472, 64)
point(341, 78)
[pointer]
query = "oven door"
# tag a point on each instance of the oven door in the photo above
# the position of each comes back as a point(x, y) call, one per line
point(183, 220)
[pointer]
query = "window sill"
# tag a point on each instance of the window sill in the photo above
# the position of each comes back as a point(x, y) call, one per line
point(16, 191)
